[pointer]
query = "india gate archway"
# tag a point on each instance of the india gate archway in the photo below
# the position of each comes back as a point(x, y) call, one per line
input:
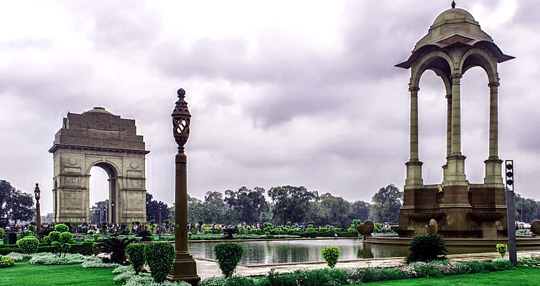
point(454, 44)
point(99, 138)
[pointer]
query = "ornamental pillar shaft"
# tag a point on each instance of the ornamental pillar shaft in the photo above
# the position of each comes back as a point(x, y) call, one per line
point(448, 124)
point(493, 120)
point(456, 114)
point(414, 124)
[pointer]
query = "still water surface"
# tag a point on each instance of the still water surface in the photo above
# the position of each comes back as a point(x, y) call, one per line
point(278, 251)
point(287, 251)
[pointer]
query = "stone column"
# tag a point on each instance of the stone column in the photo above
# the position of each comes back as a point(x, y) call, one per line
point(493, 163)
point(456, 161)
point(414, 166)
point(448, 124)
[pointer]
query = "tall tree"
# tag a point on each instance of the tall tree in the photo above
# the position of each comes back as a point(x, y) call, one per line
point(291, 203)
point(360, 210)
point(15, 205)
point(527, 209)
point(247, 204)
point(332, 210)
point(156, 210)
point(99, 212)
point(386, 204)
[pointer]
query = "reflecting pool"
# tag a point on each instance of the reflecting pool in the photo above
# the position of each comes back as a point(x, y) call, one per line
point(287, 251)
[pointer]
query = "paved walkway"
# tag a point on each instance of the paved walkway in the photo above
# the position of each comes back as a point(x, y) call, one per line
point(209, 268)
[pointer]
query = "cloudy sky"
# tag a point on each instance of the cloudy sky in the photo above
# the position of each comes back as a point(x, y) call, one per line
point(281, 92)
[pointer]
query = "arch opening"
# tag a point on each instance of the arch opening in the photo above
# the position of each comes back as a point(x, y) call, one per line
point(475, 122)
point(432, 123)
point(101, 189)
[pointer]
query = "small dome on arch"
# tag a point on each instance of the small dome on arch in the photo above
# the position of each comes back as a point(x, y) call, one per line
point(98, 109)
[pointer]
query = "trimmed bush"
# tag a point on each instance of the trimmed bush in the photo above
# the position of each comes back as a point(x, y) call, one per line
point(426, 248)
point(135, 252)
point(28, 244)
point(2, 232)
point(228, 255)
point(159, 256)
point(233, 281)
point(84, 248)
point(61, 227)
point(6, 262)
point(331, 255)
point(502, 249)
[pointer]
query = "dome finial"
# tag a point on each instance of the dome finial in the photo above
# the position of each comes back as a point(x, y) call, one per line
point(453, 4)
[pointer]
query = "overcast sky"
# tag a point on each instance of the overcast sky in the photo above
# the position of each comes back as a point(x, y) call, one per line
point(281, 92)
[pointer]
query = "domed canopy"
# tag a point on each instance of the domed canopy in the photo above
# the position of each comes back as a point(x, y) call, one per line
point(452, 27)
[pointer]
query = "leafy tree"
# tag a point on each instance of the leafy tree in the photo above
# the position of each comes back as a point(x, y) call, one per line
point(15, 205)
point(291, 203)
point(527, 209)
point(338, 209)
point(386, 204)
point(154, 208)
point(214, 207)
point(248, 204)
point(360, 210)
point(99, 211)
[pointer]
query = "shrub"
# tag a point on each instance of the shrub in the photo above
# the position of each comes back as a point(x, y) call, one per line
point(145, 235)
point(2, 232)
point(28, 244)
point(116, 247)
point(52, 259)
point(61, 227)
point(331, 255)
point(424, 269)
point(16, 256)
point(6, 262)
point(84, 248)
point(426, 248)
point(371, 275)
point(502, 249)
point(232, 281)
point(321, 277)
point(135, 252)
point(498, 265)
point(529, 262)
point(275, 279)
point(228, 255)
point(474, 266)
point(159, 256)
point(59, 241)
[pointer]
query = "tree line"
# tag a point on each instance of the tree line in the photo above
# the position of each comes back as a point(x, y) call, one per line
point(283, 204)
point(279, 205)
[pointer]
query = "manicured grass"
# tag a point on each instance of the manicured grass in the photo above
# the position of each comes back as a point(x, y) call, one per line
point(26, 274)
point(518, 277)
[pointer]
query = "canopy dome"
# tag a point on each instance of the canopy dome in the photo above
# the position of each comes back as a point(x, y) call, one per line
point(454, 26)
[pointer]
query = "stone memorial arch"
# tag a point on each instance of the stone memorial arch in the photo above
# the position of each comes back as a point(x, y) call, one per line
point(99, 138)
point(454, 44)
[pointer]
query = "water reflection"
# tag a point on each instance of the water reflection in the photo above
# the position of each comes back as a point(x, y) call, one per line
point(269, 252)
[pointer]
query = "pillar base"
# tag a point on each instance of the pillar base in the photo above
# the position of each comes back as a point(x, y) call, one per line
point(414, 174)
point(455, 173)
point(184, 268)
point(493, 171)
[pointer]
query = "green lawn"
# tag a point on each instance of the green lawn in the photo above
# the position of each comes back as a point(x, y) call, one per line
point(518, 277)
point(26, 274)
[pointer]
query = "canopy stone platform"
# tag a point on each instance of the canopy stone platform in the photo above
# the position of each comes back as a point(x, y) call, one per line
point(209, 268)
point(523, 241)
